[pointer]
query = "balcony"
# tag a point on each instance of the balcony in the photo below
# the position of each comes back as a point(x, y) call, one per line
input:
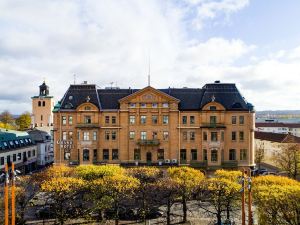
point(230, 164)
point(213, 125)
point(87, 125)
point(148, 142)
point(214, 144)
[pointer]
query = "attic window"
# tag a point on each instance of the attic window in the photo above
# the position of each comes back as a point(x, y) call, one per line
point(213, 108)
point(87, 108)
point(70, 97)
point(165, 105)
point(132, 105)
point(5, 144)
point(11, 143)
point(143, 105)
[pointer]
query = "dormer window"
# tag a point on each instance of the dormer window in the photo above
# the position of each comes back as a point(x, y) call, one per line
point(213, 108)
point(165, 105)
point(16, 142)
point(143, 105)
point(11, 143)
point(21, 141)
point(5, 144)
point(132, 105)
point(87, 108)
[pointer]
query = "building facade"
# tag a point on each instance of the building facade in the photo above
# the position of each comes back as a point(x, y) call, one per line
point(42, 106)
point(209, 128)
point(279, 128)
point(17, 147)
point(45, 154)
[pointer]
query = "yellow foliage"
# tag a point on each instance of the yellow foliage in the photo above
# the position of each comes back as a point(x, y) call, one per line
point(186, 177)
point(144, 174)
point(57, 171)
point(222, 184)
point(92, 172)
point(232, 175)
point(62, 185)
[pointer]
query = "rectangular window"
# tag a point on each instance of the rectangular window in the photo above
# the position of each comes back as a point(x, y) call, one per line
point(78, 135)
point(241, 120)
point(213, 119)
point(143, 119)
point(182, 154)
point(243, 154)
point(160, 154)
point(154, 105)
point(2, 161)
point(137, 154)
point(19, 156)
point(165, 119)
point(105, 154)
point(64, 135)
point(87, 119)
point(154, 135)
point(113, 135)
point(192, 135)
point(143, 135)
point(107, 119)
point(131, 135)
point(194, 154)
point(222, 135)
point(14, 157)
point(132, 119)
point(86, 136)
point(165, 135)
point(70, 135)
point(95, 135)
point(214, 155)
point(115, 154)
point(214, 136)
point(29, 154)
point(233, 136)
point(70, 120)
point(131, 105)
point(192, 119)
point(95, 153)
point(184, 119)
point(165, 105)
point(241, 134)
point(143, 105)
point(154, 119)
point(33, 152)
point(64, 120)
point(233, 119)
point(107, 134)
point(232, 155)
point(204, 136)
point(184, 135)
point(113, 120)
point(204, 154)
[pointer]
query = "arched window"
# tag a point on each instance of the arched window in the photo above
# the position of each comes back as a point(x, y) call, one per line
point(232, 154)
point(86, 155)
point(44, 103)
point(214, 155)
point(39, 103)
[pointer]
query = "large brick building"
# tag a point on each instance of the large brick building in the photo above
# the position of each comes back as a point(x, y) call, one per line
point(208, 127)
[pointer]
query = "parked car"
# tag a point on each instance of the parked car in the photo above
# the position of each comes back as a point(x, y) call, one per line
point(268, 173)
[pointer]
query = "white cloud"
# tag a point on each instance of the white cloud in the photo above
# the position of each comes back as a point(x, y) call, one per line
point(111, 42)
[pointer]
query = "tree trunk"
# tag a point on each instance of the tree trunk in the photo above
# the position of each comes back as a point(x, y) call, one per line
point(168, 212)
point(184, 209)
point(219, 218)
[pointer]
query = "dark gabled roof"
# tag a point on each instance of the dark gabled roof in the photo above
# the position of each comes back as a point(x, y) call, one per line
point(273, 124)
point(78, 94)
point(226, 94)
point(275, 137)
point(190, 98)
point(109, 98)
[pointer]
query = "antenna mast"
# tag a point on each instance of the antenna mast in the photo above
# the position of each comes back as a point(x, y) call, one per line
point(149, 71)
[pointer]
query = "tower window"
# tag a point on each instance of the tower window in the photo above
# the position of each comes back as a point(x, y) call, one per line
point(39, 103)
point(44, 103)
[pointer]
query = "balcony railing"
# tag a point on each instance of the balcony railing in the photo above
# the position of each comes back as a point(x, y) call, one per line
point(230, 164)
point(87, 125)
point(148, 142)
point(213, 125)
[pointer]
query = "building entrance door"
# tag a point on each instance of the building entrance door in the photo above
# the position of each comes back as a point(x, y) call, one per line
point(149, 157)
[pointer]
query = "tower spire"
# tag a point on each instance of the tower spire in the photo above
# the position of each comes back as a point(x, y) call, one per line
point(149, 80)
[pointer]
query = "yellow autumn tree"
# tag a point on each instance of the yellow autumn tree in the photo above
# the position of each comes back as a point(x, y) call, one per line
point(145, 198)
point(187, 179)
point(277, 200)
point(62, 192)
point(116, 189)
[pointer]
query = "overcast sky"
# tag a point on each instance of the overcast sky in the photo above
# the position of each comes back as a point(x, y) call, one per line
point(253, 43)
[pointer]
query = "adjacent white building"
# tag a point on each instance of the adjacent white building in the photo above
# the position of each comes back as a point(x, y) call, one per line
point(279, 128)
